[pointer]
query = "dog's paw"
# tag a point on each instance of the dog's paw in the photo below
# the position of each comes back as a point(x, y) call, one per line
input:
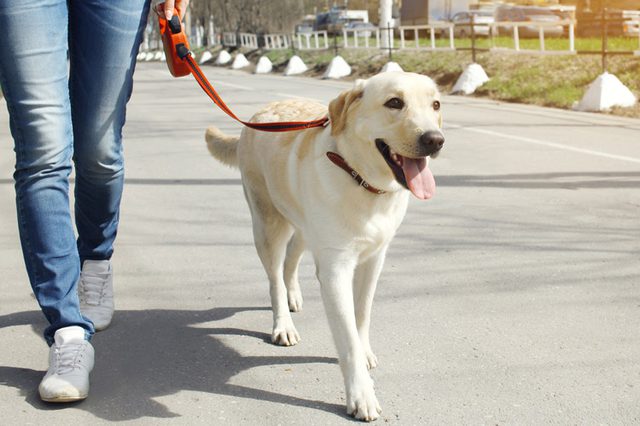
point(295, 300)
point(285, 334)
point(363, 404)
point(372, 359)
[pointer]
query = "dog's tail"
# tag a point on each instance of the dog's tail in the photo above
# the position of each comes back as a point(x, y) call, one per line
point(223, 147)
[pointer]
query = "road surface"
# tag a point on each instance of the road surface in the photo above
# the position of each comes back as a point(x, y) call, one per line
point(512, 297)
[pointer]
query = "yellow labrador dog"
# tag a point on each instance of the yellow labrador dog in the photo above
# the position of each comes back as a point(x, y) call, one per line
point(340, 192)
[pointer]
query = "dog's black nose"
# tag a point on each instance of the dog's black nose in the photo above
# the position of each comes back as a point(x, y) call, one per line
point(432, 140)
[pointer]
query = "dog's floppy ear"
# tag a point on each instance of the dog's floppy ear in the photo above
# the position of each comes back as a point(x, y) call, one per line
point(339, 107)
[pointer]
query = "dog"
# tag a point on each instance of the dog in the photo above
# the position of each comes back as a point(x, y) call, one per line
point(340, 192)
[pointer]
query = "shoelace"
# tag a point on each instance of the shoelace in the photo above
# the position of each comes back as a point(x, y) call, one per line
point(92, 288)
point(68, 357)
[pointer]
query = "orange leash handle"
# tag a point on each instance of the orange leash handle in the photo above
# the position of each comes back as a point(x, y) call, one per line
point(174, 40)
point(181, 63)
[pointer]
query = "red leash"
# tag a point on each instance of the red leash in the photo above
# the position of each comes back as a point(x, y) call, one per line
point(285, 126)
point(181, 62)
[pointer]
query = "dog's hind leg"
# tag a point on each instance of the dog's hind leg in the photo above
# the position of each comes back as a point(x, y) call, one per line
point(271, 232)
point(295, 249)
point(364, 287)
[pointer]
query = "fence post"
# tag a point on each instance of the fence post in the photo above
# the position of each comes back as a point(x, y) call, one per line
point(541, 36)
point(473, 38)
point(516, 37)
point(390, 40)
point(451, 39)
point(572, 40)
point(493, 30)
point(604, 39)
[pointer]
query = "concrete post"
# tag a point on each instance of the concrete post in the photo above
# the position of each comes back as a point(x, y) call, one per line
point(385, 22)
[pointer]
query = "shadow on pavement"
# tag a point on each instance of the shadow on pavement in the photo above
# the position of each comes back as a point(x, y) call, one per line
point(154, 353)
point(556, 180)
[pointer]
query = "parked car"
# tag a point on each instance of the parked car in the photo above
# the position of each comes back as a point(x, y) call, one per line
point(631, 25)
point(304, 28)
point(364, 29)
point(631, 28)
point(481, 18)
point(528, 14)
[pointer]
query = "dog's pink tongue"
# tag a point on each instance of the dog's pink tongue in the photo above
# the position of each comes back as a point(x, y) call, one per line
point(419, 178)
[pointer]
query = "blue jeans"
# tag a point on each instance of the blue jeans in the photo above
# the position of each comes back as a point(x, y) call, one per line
point(66, 70)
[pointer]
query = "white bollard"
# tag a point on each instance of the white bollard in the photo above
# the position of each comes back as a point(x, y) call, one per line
point(264, 65)
point(223, 58)
point(337, 68)
point(604, 93)
point(240, 62)
point(295, 66)
point(472, 77)
point(391, 67)
point(206, 57)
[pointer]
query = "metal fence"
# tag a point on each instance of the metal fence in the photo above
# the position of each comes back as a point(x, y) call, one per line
point(315, 40)
point(354, 38)
point(436, 36)
point(415, 31)
point(277, 41)
point(566, 26)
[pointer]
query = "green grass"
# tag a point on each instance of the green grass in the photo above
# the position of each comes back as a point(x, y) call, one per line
point(628, 44)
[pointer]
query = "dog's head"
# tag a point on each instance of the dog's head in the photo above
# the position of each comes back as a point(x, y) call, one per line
point(387, 126)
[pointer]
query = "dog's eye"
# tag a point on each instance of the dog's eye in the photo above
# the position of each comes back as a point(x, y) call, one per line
point(436, 105)
point(394, 103)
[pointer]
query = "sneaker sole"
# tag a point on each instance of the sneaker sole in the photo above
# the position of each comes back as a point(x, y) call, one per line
point(101, 327)
point(61, 399)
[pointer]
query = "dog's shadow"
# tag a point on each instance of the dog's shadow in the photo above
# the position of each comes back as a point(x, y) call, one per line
point(154, 353)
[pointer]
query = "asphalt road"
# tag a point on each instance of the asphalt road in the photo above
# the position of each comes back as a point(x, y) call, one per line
point(512, 297)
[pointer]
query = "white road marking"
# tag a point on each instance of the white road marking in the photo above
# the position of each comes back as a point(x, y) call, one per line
point(549, 144)
point(232, 85)
point(289, 96)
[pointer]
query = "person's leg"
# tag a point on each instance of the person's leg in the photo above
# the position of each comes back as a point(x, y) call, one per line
point(103, 43)
point(33, 73)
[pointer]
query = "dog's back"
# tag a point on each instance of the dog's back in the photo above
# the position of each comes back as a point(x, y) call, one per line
point(225, 148)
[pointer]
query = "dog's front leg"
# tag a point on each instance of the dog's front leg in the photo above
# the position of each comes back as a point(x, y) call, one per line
point(335, 272)
point(364, 287)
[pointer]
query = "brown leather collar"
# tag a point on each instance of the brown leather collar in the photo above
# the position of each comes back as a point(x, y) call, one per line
point(339, 161)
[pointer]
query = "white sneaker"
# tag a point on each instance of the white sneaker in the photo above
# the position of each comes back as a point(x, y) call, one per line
point(95, 290)
point(70, 362)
